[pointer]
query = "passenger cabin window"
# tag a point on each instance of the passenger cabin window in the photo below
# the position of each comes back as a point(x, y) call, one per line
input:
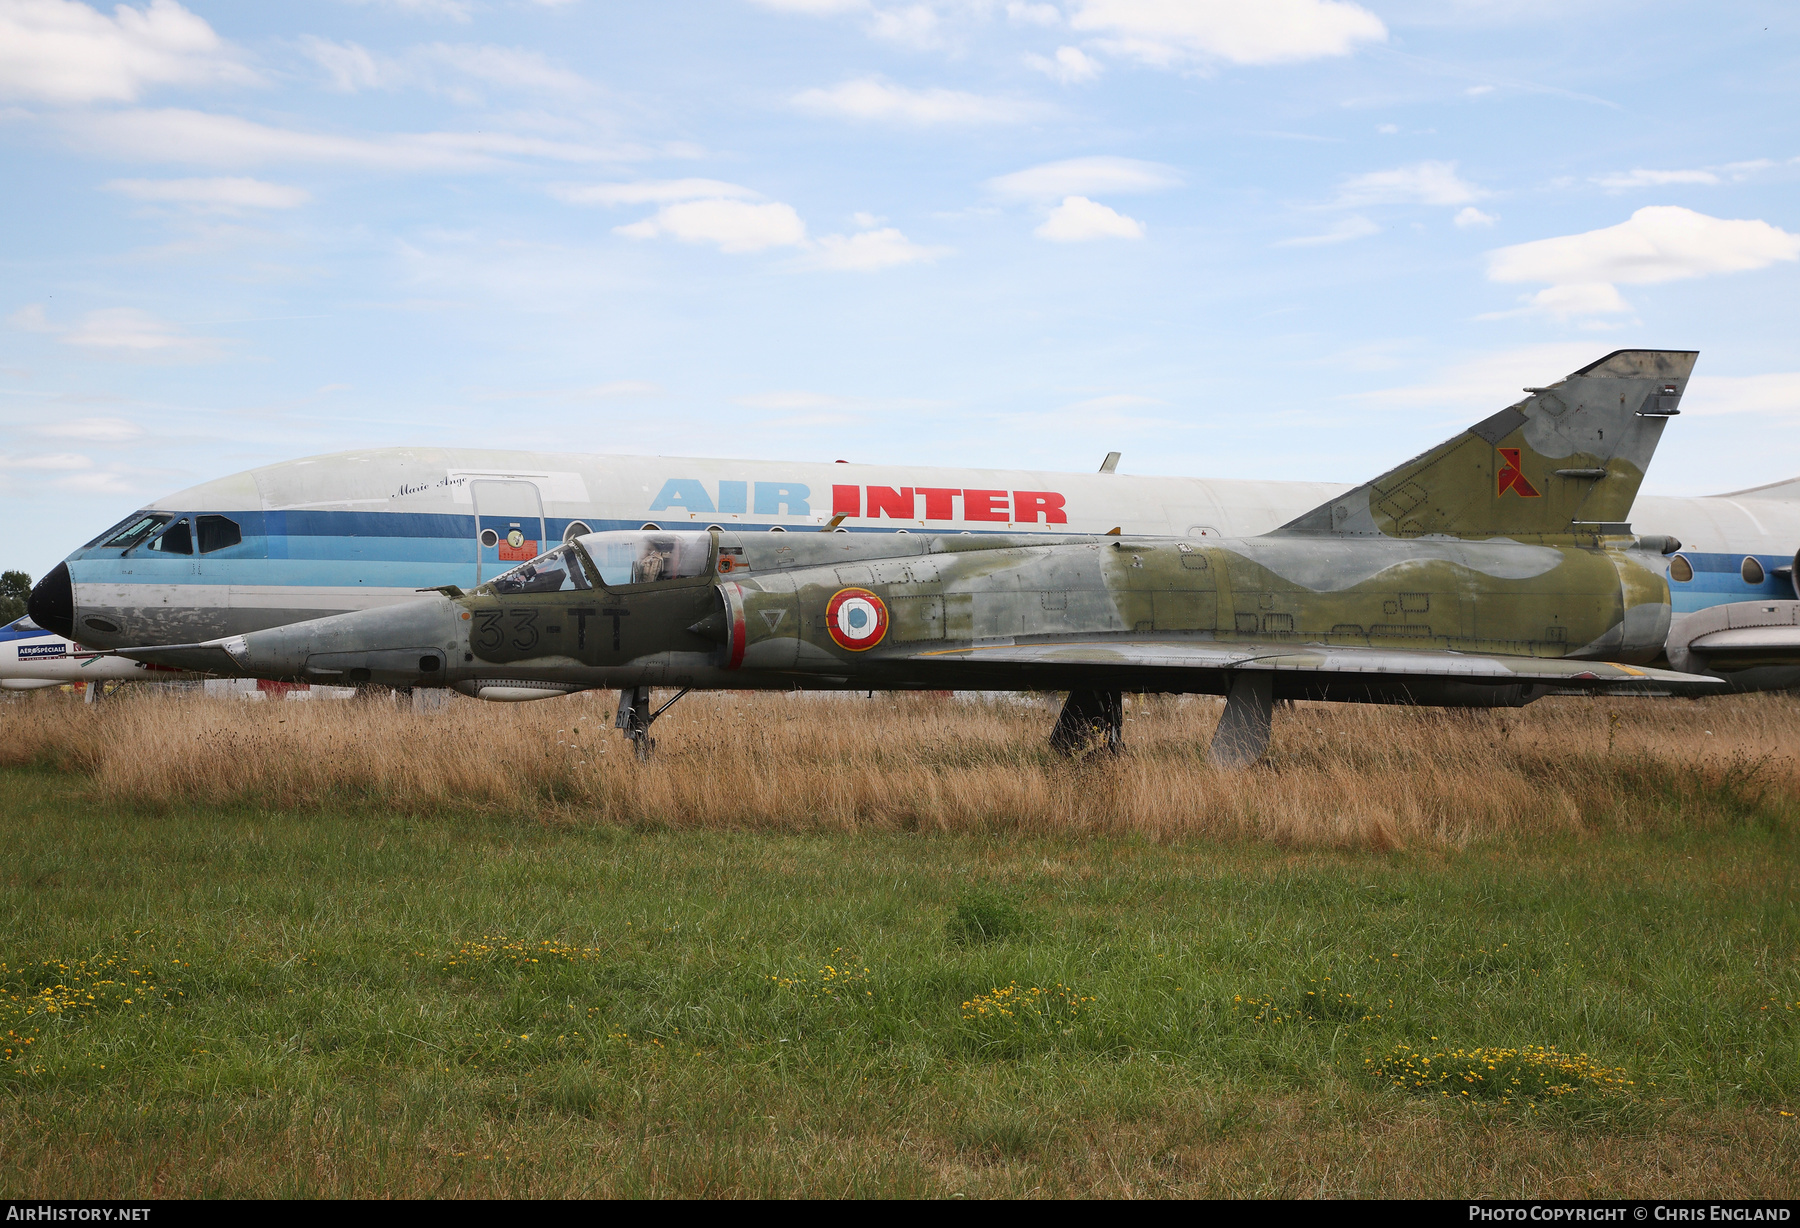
point(137, 529)
point(647, 558)
point(1680, 570)
point(217, 532)
point(176, 539)
point(560, 571)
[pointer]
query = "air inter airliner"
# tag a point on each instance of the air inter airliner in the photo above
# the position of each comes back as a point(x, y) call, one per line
point(328, 534)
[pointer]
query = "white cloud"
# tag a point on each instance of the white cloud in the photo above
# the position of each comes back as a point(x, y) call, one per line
point(733, 225)
point(916, 25)
point(59, 51)
point(1346, 230)
point(99, 482)
point(1774, 393)
point(1070, 65)
point(172, 135)
point(198, 137)
point(1582, 298)
point(1425, 183)
point(30, 318)
point(871, 98)
point(815, 8)
point(1656, 244)
point(443, 67)
point(1469, 215)
point(128, 332)
point(53, 463)
point(213, 193)
point(1167, 33)
point(741, 226)
point(91, 430)
point(593, 392)
point(712, 211)
point(650, 192)
point(1084, 176)
point(1078, 219)
point(1640, 178)
point(507, 144)
point(510, 68)
point(1026, 14)
point(1482, 384)
point(351, 66)
point(870, 251)
point(455, 10)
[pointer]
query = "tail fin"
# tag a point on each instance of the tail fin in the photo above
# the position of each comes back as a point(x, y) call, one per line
point(1565, 458)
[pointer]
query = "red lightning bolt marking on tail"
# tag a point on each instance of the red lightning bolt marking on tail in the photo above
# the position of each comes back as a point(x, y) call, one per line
point(1511, 478)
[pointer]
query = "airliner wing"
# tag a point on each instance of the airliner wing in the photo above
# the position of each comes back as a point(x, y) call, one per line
point(1738, 636)
point(1748, 647)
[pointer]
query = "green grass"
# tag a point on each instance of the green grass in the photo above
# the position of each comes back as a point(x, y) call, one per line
point(357, 1003)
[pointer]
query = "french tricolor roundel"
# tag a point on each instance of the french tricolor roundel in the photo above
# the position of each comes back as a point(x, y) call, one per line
point(856, 618)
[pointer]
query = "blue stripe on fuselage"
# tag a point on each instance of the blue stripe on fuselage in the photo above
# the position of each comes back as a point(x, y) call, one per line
point(325, 549)
point(1718, 579)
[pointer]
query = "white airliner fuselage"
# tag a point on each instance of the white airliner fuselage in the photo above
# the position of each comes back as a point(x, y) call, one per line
point(328, 534)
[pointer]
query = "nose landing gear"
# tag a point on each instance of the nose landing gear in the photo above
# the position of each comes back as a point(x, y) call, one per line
point(635, 717)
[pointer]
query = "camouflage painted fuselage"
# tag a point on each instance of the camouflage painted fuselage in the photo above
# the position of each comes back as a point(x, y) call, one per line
point(759, 617)
point(1482, 571)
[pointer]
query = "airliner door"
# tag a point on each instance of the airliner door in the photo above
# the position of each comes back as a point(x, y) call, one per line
point(509, 525)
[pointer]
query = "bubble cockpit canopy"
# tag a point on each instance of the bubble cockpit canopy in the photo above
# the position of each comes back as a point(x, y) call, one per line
point(562, 570)
point(647, 557)
point(617, 559)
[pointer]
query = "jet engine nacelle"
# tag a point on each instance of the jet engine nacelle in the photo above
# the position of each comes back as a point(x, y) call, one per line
point(1642, 632)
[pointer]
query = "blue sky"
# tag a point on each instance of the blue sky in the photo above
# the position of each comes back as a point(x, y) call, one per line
point(1294, 239)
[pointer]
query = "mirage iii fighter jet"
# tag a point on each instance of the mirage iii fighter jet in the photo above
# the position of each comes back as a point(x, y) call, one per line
point(1487, 572)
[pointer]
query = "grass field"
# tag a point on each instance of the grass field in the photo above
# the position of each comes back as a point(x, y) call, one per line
point(891, 947)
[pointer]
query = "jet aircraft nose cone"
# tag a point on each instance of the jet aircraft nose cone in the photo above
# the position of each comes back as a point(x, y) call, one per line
point(52, 603)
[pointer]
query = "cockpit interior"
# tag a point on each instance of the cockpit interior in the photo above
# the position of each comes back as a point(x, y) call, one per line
point(615, 560)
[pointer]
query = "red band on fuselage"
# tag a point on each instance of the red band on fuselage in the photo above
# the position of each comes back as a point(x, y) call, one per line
point(735, 603)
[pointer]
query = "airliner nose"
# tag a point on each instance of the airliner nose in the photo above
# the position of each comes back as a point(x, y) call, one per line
point(52, 603)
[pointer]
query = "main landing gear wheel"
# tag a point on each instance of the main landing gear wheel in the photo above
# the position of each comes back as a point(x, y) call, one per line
point(1087, 715)
point(1243, 732)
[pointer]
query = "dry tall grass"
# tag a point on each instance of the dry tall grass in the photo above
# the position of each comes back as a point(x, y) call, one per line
point(1337, 775)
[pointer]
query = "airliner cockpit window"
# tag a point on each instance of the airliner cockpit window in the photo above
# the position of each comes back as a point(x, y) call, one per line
point(217, 532)
point(176, 539)
point(646, 558)
point(136, 529)
point(560, 571)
